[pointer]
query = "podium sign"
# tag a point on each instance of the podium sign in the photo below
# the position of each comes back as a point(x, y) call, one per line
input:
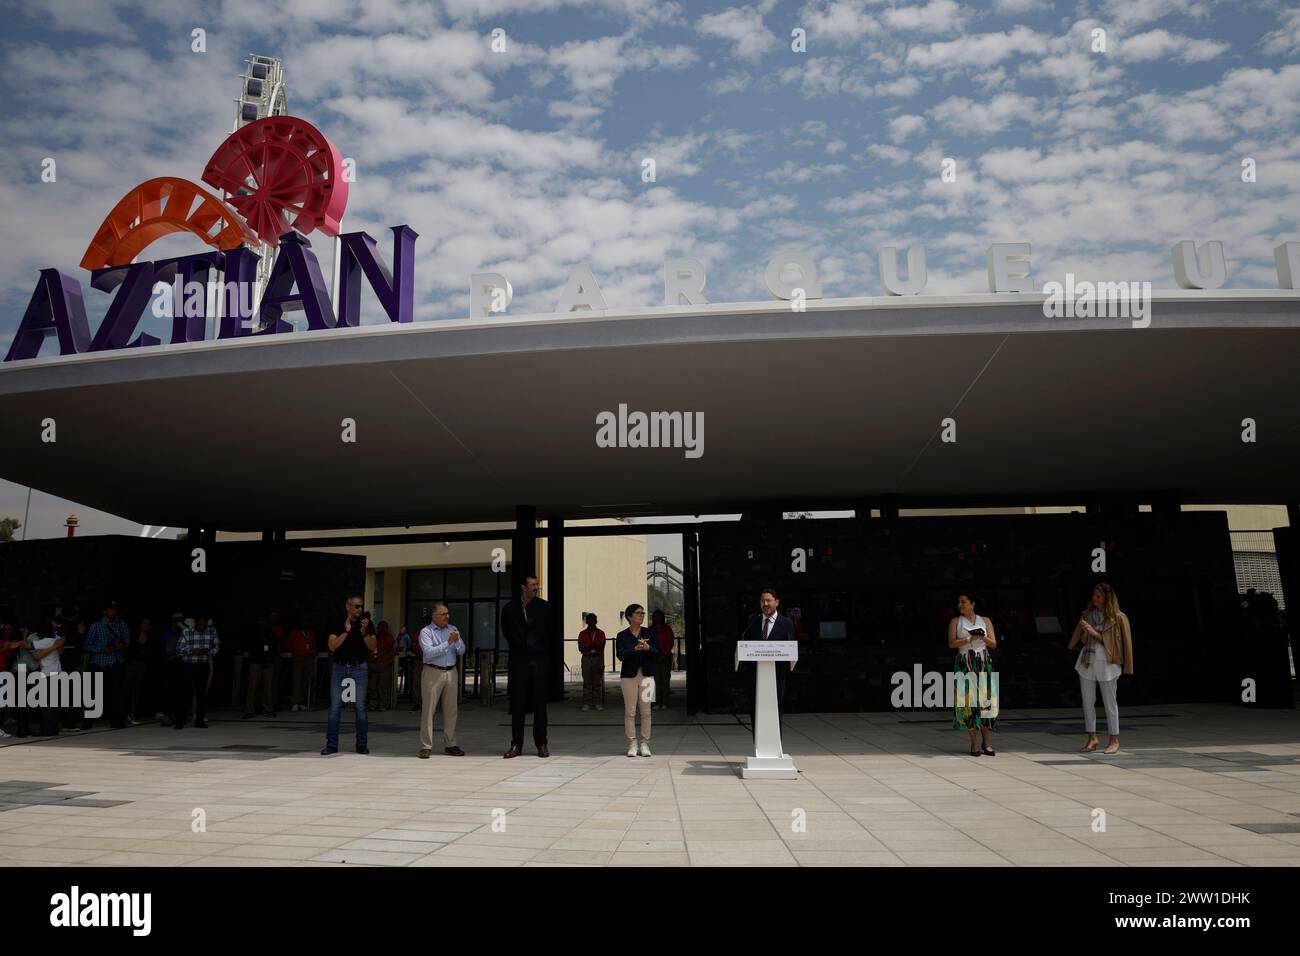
point(767, 650)
point(770, 762)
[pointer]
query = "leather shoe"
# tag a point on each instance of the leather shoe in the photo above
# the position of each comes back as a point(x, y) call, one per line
point(512, 752)
point(454, 751)
point(542, 751)
point(363, 750)
point(325, 751)
point(425, 754)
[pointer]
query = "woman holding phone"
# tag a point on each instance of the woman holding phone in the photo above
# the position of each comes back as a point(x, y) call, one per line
point(975, 689)
point(1107, 641)
point(637, 649)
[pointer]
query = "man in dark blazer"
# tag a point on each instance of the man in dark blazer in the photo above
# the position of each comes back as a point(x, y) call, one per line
point(526, 626)
point(767, 625)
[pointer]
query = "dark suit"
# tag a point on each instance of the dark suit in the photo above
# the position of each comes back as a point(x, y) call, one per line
point(528, 635)
point(782, 630)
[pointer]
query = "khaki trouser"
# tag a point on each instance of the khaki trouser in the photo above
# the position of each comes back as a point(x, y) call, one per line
point(637, 691)
point(381, 685)
point(303, 668)
point(593, 681)
point(437, 684)
point(260, 675)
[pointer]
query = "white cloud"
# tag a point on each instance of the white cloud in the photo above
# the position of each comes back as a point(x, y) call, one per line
point(937, 16)
point(1126, 13)
point(986, 118)
point(1163, 45)
point(977, 50)
point(743, 27)
point(837, 22)
point(1285, 40)
point(902, 127)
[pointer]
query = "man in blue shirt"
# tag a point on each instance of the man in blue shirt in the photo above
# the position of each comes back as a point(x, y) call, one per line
point(441, 648)
point(105, 641)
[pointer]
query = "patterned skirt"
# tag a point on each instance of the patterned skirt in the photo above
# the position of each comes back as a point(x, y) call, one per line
point(975, 692)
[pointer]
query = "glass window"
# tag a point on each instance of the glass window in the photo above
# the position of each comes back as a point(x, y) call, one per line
point(458, 583)
point(483, 626)
point(484, 583)
point(423, 585)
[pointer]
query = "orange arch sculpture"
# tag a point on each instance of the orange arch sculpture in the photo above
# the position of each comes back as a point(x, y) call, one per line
point(160, 207)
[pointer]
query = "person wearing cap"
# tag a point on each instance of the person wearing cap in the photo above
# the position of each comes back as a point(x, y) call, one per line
point(105, 642)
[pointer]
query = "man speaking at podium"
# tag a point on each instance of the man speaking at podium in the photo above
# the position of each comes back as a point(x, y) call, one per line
point(767, 625)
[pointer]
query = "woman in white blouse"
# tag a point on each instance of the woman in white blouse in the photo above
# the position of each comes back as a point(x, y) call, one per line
point(975, 685)
point(1107, 641)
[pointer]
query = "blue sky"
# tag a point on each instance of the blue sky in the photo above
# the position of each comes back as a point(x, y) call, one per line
point(529, 161)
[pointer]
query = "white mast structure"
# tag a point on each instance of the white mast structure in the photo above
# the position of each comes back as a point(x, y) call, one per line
point(261, 94)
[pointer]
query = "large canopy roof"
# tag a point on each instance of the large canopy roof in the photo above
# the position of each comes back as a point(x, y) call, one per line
point(464, 420)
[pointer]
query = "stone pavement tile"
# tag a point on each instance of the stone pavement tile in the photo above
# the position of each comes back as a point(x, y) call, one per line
point(30, 837)
point(740, 858)
point(649, 859)
point(1253, 854)
point(415, 836)
point(144, 859)
point(260, 851)
point(25, 854)
point(652, 846)
point(103, 843)
point(571, 857)
point(1143, 855)
point(932, 857)
point(417, 848)
point(481, 852)
point(365, 857)
point(1042, 856)
point(237, 861)
point(808, 843)
point(591, 844)
point(845, 858)
point(509, 838)
point(438, 859)
point(180, 847)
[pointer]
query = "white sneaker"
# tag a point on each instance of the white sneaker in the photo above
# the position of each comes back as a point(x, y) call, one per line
point(3, 735)
point(600, 706)
point(631, 750)
point(585, 708)
point(645, 749)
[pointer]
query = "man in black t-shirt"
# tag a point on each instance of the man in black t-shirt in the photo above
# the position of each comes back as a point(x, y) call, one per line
point(351, 644)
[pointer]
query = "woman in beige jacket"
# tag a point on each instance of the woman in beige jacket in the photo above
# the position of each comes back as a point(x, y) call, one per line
point(1107, 652)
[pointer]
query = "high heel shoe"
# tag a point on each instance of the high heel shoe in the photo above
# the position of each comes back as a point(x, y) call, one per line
point(1090, 746)
point(990, 752)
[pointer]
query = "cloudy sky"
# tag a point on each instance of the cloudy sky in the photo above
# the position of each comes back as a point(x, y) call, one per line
point(530, 160)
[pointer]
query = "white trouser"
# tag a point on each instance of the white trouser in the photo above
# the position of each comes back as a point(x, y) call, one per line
point(1088, 687)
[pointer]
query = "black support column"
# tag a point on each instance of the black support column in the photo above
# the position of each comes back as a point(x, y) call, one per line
point(555, 597)
point(523, 546)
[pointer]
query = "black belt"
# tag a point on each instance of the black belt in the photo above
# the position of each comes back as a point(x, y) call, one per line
point(452, 667)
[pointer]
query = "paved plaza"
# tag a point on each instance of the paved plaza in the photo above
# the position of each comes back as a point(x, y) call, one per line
point(1198, 785)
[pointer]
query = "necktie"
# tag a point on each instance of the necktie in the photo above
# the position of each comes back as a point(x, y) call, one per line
point(767, 627)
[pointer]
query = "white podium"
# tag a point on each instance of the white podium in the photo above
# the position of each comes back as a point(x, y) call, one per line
point(769, 762)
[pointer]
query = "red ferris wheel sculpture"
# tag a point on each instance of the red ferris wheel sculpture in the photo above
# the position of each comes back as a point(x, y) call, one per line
point(281, 173)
